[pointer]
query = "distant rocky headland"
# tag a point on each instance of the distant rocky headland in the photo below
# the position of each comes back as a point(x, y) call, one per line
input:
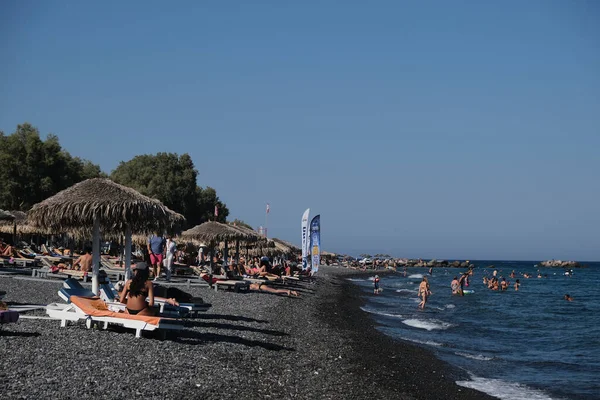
point(435, 263)
point(560, 264)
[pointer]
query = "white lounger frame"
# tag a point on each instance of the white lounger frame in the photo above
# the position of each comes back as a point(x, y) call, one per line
point(70, 312)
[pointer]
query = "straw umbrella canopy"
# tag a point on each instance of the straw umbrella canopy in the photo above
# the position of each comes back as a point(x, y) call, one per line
point(20, 225)
point(254, 238)
point(292, 247)
point(102, 204)
point(213, 233)
point(6, 216)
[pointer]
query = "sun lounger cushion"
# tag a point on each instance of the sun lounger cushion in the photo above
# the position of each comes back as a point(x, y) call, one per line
point(82, 292)
point(7, 316)
point(97, 308)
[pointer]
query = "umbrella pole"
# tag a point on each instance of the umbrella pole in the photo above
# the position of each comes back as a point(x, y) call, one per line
point(96, 255)
point(128, 253)
point(237, 252)
point(225, 254)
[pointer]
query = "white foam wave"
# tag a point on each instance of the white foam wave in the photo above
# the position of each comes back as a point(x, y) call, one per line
point(427, 342)
point(371, 311)
point(416, 276)
point(429, 324)
point(444, 307)
point(356, 280)
point(405, 291)
point(504, 390)
point(479, 357)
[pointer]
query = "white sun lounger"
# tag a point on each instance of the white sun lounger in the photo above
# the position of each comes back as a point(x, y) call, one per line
point(94, 310)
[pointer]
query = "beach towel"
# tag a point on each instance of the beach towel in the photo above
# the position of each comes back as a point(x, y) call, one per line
point(96, 307)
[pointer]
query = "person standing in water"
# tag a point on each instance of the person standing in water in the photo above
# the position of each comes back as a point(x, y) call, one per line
point(517, 284)
point(454, 285)
point(424, 292)
point(376, 289)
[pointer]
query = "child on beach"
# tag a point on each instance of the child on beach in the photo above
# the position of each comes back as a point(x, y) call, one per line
point(376, 284)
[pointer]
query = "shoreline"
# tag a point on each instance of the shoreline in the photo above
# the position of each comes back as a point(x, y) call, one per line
point(248, 346)
point(385, 367)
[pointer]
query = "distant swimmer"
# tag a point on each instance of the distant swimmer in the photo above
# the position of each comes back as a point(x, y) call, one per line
point(431, 271)
point(512, 274)
point(503, 284)
point(517, 284)
point(455, 286)
point(376, 289)
point(568, 297)
point(424, 292)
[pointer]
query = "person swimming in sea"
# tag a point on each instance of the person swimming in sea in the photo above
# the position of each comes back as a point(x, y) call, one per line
point(503, 284)
point(568, 297)
point(517, 285)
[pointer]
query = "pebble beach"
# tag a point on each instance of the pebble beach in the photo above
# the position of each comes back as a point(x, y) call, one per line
point(246, 346)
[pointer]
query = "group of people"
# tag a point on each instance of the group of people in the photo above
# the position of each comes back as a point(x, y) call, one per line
point(161, 252)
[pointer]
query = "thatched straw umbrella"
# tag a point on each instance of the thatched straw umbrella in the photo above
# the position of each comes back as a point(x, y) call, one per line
point(6, 216)
point(213, 233)
point(254, 238)
point(292, 247)
point(102, 204)
point(20, 226)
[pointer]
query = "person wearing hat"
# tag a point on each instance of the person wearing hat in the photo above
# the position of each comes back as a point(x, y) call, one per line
point(136, 290)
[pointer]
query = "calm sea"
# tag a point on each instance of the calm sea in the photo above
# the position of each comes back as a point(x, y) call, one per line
point(527, 344)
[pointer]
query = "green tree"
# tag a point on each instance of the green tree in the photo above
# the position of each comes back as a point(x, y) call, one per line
point(171, 179)
point(32, 169)
point(239, 222)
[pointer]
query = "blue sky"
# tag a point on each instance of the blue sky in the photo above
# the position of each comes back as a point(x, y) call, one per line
point(461, 129)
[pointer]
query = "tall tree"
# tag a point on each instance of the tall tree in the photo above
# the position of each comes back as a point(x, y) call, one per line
point(32, 170)
point(171, 179)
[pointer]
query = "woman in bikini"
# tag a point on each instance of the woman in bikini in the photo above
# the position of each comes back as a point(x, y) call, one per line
point(263, 287)
point(424, 292)
point(138, 288)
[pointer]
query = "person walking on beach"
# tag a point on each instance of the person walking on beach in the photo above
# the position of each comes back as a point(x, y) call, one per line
point(156, 247)
point(424, 292)
point(170, 250)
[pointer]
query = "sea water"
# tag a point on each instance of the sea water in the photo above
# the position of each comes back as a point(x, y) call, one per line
point(526, 344)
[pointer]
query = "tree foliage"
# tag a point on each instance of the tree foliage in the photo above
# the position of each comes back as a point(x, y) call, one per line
point(32, 169)
point(239, 222)
point(171, 179)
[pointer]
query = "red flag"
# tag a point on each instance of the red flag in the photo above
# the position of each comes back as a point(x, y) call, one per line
point(268, 208)
point(216, 211)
